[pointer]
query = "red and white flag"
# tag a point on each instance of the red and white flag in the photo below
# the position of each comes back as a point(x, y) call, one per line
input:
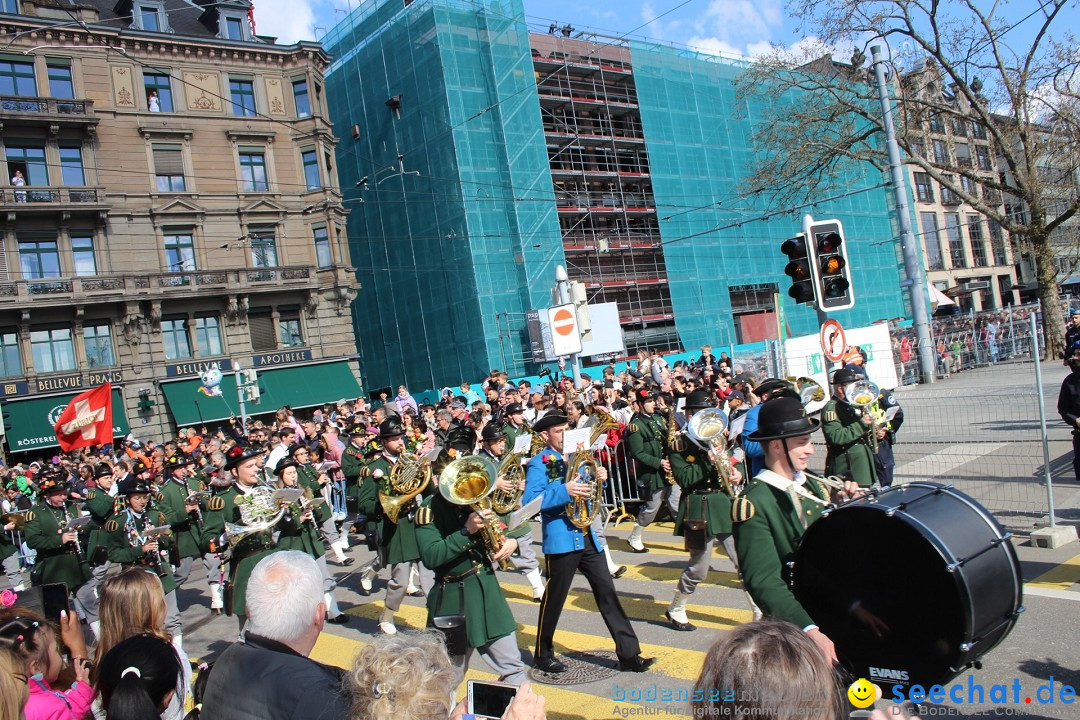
point(87, 420)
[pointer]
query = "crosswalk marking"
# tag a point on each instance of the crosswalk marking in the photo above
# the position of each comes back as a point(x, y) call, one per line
point(1060, 577)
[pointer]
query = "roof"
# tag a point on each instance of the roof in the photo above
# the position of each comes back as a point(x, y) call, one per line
point(190, 18)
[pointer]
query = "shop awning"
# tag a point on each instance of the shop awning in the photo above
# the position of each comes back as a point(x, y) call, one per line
point(938, 298)
point(32, 420)
point(298, 386)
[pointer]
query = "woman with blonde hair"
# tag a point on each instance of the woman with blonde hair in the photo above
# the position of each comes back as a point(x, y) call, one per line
point(14, 689)
point(133, 603)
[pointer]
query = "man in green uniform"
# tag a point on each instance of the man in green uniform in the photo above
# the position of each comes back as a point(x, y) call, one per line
point(101, 502)
point(245, 466)
point(785, 502)
point(515, 423)
point(704, 515)
point(645, 441)
point(465, 584)
point(185, 515)
point(60, 555)
point(139, 537)
point(318, 483)
point(848, 434)
point(397, 538)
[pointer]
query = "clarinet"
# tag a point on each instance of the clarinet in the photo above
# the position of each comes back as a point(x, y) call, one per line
point(74, 543)
point(139, 541)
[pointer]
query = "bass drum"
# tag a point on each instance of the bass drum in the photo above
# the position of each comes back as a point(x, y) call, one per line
point(913, 585)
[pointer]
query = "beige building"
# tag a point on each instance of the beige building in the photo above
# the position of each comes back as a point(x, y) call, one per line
point(172, 203)
point(967, 256)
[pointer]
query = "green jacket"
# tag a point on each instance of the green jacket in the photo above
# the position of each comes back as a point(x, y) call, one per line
point(293, 535)
point(849, 445)
point(247, 553)
point(7, 545)
point(450, 553)
point(398, 538)
point(101, 506)
point(766, 544)
point(308, 478)
point(123, 531)
point(56, 561)
point(352, 467)
point(702, 495)
point(186, 531)
point(645, 440)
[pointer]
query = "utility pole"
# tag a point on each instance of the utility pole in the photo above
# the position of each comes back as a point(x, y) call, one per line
point(562, 288)
point(240, 397)
point(916, 279)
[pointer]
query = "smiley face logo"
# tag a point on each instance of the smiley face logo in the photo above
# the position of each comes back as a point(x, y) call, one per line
point(863, 693)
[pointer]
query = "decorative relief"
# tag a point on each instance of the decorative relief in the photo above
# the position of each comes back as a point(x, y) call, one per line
point(203, 90)
point(123, 90)
point(274, 97)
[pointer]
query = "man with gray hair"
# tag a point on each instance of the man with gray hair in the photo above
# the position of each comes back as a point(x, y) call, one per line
point(268, 675)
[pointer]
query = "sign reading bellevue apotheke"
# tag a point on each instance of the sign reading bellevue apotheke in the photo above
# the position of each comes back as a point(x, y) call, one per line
point(194, 367)
point(285, 357)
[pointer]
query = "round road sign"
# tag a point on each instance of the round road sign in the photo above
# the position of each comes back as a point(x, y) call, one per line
point(833, 340)
point(563, 322)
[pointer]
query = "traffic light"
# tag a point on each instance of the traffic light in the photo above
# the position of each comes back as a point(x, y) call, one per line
point(250, 393)
point(249, 376)
point(799, 269)
point(833, 273)
point(579, 297)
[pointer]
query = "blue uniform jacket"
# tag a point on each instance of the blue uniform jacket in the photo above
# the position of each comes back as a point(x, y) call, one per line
point(755, 454)
point(560, 535)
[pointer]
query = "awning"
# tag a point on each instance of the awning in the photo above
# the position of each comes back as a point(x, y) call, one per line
point(32, 420)
point(938, 298)
point(298, 386)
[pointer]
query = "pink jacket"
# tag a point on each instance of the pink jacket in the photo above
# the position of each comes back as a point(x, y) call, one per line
point(45, 703)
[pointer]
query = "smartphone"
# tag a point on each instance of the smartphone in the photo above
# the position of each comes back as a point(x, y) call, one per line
point(54, 599)
point(489, 699)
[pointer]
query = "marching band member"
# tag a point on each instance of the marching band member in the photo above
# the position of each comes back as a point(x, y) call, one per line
point(493, 445)
point(848, 433)
point(298, 530)
point(645, 441)
point(60, 557)
point(314, 480)
point(184, 515)
point(785, 502)
point(101, 502)
point(704, 515)
point(568, 548)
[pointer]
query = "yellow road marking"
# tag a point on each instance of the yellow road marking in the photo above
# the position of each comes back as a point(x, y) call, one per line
point(1062, 577)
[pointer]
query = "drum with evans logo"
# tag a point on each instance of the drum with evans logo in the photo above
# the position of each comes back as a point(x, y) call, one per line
point(913, 585)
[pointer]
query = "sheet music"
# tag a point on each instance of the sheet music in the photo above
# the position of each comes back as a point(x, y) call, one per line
point(576, 440)
point(522, 444)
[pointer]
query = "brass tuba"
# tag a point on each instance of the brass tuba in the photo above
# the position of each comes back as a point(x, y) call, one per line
point(811, 394)
point(706, 429)
point(471, 481)
point(581, 510)
point(510, 469)
point(409, 477)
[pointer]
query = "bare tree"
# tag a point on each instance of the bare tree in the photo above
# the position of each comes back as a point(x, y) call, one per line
point(951, 63)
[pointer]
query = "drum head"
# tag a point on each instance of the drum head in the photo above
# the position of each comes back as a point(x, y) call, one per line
point(879, 587)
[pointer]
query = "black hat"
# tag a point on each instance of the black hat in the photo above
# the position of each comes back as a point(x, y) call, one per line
point(697, 400)
point(461, 438)
point(770, 385)
point(133, 486)
point(783, 417)
point(549, 421)
point(238, 454)
point(845, 375)
point(52, 480)
point(391, 427)
point(493, 432)
point(296, 447)
point(358, 429)
point(179, 459)
point(139, 467)
point(513, 409)
point(102, 470)
point(280, 469)
point(644, 394)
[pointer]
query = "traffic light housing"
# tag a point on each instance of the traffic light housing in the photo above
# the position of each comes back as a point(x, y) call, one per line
point(832, 272)
point(800, 269)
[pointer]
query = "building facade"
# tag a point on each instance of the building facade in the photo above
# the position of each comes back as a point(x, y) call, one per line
point(485, 155)
point(173, 204)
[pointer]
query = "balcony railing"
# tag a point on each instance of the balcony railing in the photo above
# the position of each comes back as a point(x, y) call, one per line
point(140, 286)
point(26, 197)
point(42, 108)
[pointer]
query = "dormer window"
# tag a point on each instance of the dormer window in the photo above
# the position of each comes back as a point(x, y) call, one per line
point(149, 16)
point(232, 28)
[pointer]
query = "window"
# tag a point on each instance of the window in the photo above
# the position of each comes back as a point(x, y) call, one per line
point(60, 83)
point(997, 243)
point(969, 185)
point(10, 359)
point(963, 155)
point(147, 16)
point(30, 161)
point(918, 147)
point(234, 28)
point(261, 325)
point(242, 93)
point(959, 127)
point(175, 338)
point(300, 97)
point(982, 153)
point(1005, 286)
point(17, 78)
point(253, 170)
point(179, 252)
point(82, 255)
point(71, 166)
point(9, 6)
point(956, 240)
point(290, 333)
point(52, 349)
point(940, 156)
point(39, 259)
point(924, 189)
point(263, 247)
point(158, 87)
point(978, 245)
point(978, 130)
point(936, 126)
point(310, 159)
point(948, 197)
point(169, 168)
point(208, 336)
point(98, 342)
point(928, 220)
point(324, 257)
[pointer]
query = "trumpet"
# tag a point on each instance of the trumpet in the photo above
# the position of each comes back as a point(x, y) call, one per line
point(471, 481)
point(409, 477)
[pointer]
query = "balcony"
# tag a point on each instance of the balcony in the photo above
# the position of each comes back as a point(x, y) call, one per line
point(17, 110)
point(83, 290)
point(42, 198)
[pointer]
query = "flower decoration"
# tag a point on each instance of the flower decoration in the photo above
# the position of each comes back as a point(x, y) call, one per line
point(377, 473)
point(8, 598)
point(556, 468)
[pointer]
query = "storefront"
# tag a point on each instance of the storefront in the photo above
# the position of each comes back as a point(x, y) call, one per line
point(32, 420)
